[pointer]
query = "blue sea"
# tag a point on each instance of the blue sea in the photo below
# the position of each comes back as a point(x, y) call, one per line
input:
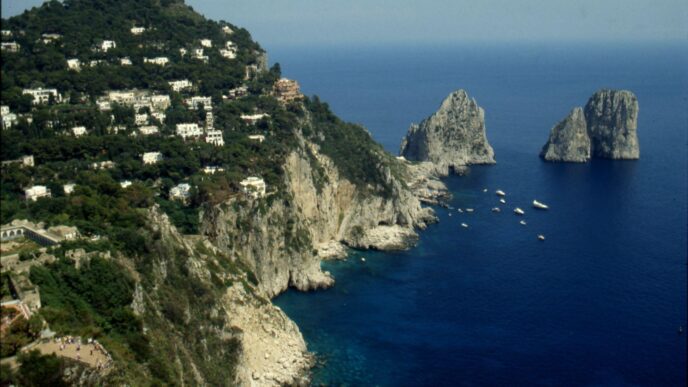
point(598, 303)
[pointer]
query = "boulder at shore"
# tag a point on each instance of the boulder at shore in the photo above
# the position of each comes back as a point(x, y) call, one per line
point(452, 137)
point(606, 128)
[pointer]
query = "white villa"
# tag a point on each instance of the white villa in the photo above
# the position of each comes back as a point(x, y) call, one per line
point(107, 45)
point(74, 64)
point(79, 131)
point(49, 38)
point(227, 30)
point(36, 192)
point(229, 54)
point(189, 130)
point(148, 130)
point(160, 61)
point(253, 118)
point(151, 157)
point(160, 101)
point(68, 188)
point(107, 164)
point(10, 46)
point(237, 92)
point(256, 137)
point(214, 137)
point(42, 96)
point(253, 187)
point(160, 116)
point(182, 51)
point(125, 61)
point(137, 30)
point(8, 118)
point(194, 102)
point(141, 119)
point(206, 43)
point(124, 183)
point(180, 192)
point(180, 85)
point(212, 169)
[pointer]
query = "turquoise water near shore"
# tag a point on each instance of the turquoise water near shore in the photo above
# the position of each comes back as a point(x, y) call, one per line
point(598, 303)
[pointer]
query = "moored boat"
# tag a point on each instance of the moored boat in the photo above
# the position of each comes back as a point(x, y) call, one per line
point(541, 237)
point(464, 225)
point(496, 209)
point(540, 206)
point(499, 192)
point(518, 211)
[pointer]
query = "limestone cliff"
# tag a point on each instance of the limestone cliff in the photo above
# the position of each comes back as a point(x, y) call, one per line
point(612, 119)
point(606, 128)
point(452, 137)
point(569, 140)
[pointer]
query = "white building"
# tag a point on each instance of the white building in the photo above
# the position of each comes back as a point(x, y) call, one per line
point(253, 186)
point(253, 118)
point(8, 118)
point(160, 61)
point(6, 33)
point(206, 43)
point(152, 157)
point(180, 85)
point(68, 188)
point(227, 30)
point(49, 38)
point(10, 46)
point(122, 97)
point(180, 192)
point(160, 101)
point(195, 102)
point(42, 96)
point(4, 109)
point(124, 183)
point(74, 64)
point(140, 119)
point(209, 120)
point(189, 130)
point(36, 192)
point(212, 169)
point(229, 54)
point(79, 131)
point(237, 92)
point(27, 161)
point(137, 30)
point(148, 130)
point(96, 62)
point(160, 116)
point(182, 52)
point(214, 137)
point(107, 45)
point(107, 164)
point(125, 61)
point(256, 137)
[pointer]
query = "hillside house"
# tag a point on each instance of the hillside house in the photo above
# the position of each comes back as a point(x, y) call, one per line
point(227, 30)
point(152, 157)
point(68, 188)
point(125, 61)
point(36, 192)
point(12, 47)
point(187, 130)
point(160, 101)
point(140, 119)
point(253, 186)
point(237, 92)
point(79, 131)
point(65, 233)
point(206, 43)
point(74, 64)
point(212, 169)
point(106, 45)
point(253, 118)
point(196, 102)
point(107, 164)
point(49, 38)
point(9, 119)
point(286, 90)
point(256, 137)
point(180, 85)
point(148, 130)
point(229, 54)
point(181, 192)
point(159, 116)
point(125, 183)
point(137, 30)
point(214, 137)
point(160, 61)
point(42, 96)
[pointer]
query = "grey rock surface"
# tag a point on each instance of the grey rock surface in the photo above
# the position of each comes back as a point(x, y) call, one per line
point(452, 137)
point(605, 128)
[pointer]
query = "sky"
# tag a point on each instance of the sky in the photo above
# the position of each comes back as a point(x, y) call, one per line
point(356, 22)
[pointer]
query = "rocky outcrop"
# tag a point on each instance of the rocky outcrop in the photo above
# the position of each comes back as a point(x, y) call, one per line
point(606, 128)
point(452, 137)
point(612, 119)
point(569, 140)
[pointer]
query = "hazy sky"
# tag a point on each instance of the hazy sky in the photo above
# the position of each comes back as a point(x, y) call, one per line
point(286, 22)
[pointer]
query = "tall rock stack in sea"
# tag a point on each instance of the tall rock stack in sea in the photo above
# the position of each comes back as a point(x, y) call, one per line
point(452, 137)
point(606, 128)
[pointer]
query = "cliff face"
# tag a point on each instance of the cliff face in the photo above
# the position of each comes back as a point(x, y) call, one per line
point(452, 137)
point(612, 119)
point(569, 140)
point(606, 128)
point(277, 237)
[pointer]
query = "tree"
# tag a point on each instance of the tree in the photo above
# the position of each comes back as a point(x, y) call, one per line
point(39, 370)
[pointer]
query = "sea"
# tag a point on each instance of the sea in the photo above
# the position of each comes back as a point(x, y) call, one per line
point(598, 303)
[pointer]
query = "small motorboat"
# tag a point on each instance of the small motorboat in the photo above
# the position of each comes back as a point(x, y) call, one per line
point(496, 209)
point(523, 222)
point(502, 201)
point(450, 214)
point(499, 192)
point(541, 237)
point(469, 210)
point(464, 225)
point(460, 210)
point(362, 259)
point(484, 189)
point(540, 206)
point(519, 211)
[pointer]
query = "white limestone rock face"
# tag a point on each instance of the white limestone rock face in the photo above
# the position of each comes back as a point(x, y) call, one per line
point(569, 140)
point(612, 119)
point(452, 137)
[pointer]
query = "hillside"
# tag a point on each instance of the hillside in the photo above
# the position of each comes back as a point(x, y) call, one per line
point(194, 184)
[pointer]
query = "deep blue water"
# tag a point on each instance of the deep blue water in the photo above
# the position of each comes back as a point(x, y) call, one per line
point(598, 303)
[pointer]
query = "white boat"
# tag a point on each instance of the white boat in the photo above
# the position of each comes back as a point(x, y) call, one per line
point(502, 201)
point(541, 206)
point(499, 192)
point(496, 209)
point(469, 210)
point(541, 237)
point(523, 222)
point(460, 210)
point(450, 214)
point(484, 189)
point(362, 259)
point(464, 225)
point(519, 211)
